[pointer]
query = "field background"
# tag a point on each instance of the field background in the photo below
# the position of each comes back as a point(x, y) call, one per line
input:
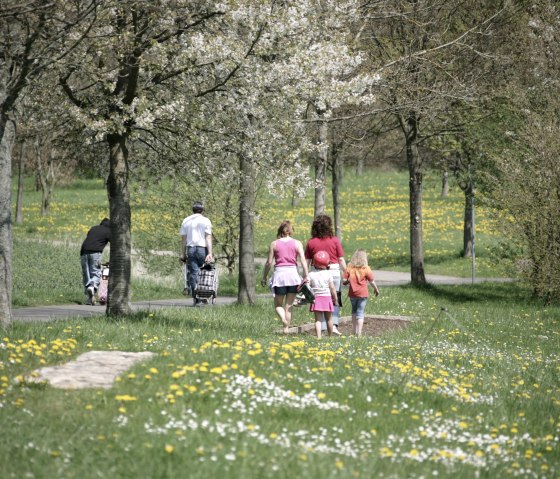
point(374, 211)
point(470, 389)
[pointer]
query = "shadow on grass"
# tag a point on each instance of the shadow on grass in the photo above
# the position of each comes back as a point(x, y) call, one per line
point(222, 320)
point(511, 292)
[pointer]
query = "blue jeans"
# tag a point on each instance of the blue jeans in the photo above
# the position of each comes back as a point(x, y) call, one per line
point(358, 307)
point(91, 270)
point(195, 259)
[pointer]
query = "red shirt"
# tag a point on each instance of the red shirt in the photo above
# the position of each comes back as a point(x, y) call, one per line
point(329, 244)
point(359, 279)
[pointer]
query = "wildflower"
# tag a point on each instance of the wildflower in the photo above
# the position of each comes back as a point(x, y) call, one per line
point(125, 397)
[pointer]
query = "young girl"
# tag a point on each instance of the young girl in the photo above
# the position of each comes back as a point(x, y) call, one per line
point(320, 281)
point(358, 275)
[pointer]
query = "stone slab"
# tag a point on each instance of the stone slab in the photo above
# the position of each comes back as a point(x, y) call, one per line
point(94, 369)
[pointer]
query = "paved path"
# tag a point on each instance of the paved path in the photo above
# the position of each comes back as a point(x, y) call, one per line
point(50, 313)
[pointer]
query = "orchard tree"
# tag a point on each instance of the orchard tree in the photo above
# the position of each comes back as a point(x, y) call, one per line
point(34, 35)
point(249, 134)
point(145, 63)
point(425, 52)
point(525, 180)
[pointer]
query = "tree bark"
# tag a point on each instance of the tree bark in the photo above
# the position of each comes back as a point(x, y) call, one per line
point(444, 184)
point(410, 128)
point(246, 293)
point(468, 226)
point(336, 180)
point(119, 206)
point(21, 171)
point(321, 169)
point(46, 178)
point(360, 167)
point(295, 199)
point(7, 134)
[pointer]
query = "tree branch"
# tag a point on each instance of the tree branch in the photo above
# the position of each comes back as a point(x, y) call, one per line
point(232, 72)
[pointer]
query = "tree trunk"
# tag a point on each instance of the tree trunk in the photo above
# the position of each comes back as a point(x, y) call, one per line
point(119, 205)
point(295, 199)
point(321, 169)
point(336, 180)
point(45, 178)
point(444, 184)
point(360, 167)
point(246, 293)
point(19, 200)
point(414, 162)
point(468, 226)
point(7, 135)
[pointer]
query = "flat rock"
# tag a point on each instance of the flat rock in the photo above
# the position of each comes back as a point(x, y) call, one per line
point(94, 369)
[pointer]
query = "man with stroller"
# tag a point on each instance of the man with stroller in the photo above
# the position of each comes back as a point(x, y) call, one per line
point(196, 232)
point(90, 258)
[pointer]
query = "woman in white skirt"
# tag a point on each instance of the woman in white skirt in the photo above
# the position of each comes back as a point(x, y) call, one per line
point(283, 253)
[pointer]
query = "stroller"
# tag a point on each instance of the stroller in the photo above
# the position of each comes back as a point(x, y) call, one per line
point(103, 290)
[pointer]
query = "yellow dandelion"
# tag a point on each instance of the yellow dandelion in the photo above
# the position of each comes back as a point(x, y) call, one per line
point(125, 397)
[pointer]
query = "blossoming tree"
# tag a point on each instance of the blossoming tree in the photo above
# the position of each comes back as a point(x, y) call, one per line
point(33, 38)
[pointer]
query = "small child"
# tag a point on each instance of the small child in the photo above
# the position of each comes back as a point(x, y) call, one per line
point(320, 281)
point(358, 275)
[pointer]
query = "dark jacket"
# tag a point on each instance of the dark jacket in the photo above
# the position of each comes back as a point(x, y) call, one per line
point(97, 238)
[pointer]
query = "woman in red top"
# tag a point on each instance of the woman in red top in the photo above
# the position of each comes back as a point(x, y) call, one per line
point(323, 239)
point(284, 252)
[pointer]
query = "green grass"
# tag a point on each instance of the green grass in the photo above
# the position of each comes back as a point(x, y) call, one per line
point(471, 393)
point(374, 212)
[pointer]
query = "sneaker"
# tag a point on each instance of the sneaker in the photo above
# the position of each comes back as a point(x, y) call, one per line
point(90, 292)
point(336, 332)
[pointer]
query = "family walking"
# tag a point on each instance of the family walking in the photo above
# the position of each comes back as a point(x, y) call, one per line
point(325, 269)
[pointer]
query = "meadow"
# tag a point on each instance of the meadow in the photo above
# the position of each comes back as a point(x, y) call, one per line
point(469, 389)
point(474, 392)
point(374, 212)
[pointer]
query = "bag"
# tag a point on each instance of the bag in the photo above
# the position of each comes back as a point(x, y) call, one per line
point(102, 292)
point(304, 295)
point(207, 283)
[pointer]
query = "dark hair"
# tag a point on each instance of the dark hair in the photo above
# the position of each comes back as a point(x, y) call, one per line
point(285, 229)
point(322, 227)
point(105, 222)
point(198, 207)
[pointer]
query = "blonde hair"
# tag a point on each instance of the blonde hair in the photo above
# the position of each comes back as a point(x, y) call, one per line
point(285, 229)
point(358, 264)
point(359, 259)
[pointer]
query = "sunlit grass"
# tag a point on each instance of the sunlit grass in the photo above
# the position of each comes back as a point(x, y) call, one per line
point(469, 393)
point(374, 217)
